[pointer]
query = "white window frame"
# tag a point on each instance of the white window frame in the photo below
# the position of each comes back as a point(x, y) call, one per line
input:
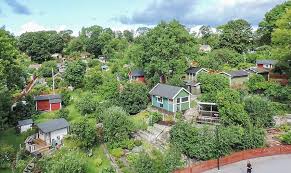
point(181, 98)
point(162, 102)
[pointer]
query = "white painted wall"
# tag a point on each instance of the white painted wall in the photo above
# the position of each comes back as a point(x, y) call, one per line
point(25, 128)
point(41, 135)
point(61, 133)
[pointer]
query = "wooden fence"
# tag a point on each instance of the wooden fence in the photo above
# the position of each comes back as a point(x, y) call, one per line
point(236, 157)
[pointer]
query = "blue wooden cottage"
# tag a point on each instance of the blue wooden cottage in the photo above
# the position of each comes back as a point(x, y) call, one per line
point(170, 98)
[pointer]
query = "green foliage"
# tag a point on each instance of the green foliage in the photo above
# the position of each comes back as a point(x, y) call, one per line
point(218, 58)
point(260, 110)
point(155, 117)
point(281, 39)
point(86, 104)
point(144, 164)
point(268, 24)
point(24, 109)
point(231, 108)
point(201, 143)
point(85, 132)
point(5, 104)
point(211, 83)
point(93, 78)
point(133, 97)
point(117, 152)
point(163, 50)
point(66, 97)
point(286, 138)
point(237, 35)
point(47, 67)
point(64, 161)
point(117, 126)
point(109, 87)
point(11, 73)
point(256, 82)
point(74, 73)
point(40, 45)
point(63, 113)
point(7, 154)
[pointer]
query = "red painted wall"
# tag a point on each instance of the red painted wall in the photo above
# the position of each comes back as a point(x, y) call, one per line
point(43, 105)
point(141, 79)
point(260, 65)
point(56, 106)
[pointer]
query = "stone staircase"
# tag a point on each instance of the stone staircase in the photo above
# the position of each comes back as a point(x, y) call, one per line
point(30, 166)
point(156, 135)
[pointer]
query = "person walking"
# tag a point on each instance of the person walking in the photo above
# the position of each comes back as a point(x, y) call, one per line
point(249, 167)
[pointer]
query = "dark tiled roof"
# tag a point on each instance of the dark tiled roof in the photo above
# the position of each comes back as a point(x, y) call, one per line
point(238, 73)
point(257, 70)
point(55, 101)
point(137, 73)
point(48, 97)
point(25, 122)
point(266, 61)
point(53, 125)
point(193, 70)
point(164, 90)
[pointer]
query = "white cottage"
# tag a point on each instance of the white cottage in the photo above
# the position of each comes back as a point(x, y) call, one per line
point(24, 125)
point(50, 134)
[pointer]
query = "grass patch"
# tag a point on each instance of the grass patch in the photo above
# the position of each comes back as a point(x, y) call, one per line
point(140, 120)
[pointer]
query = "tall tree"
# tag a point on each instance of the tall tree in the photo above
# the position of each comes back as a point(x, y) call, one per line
point(74, 73)
point(165, 49)
point(268, 24)
point(237, 35)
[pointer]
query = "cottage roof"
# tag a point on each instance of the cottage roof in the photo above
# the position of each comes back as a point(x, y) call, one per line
point(194, 70)
point(257, 70)
point(167, 91)
point(238, 73)
point(53, 125)
point(266, 61)
point(137, 73)
point(47, 97)
point(25, 122)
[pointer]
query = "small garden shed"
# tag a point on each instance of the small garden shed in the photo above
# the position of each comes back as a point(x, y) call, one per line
point(24, 125)
point(48, 102)
point(169, 98)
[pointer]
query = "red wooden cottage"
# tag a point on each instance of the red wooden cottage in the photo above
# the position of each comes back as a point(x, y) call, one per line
point(137, 75)
point(48, 102)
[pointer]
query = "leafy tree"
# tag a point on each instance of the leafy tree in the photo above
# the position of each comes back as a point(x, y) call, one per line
point(256, 83)
point(63, 113)
point(213, 82)
point(74, 73)
point(5, 105)
point(145, 164)
point(11, 74)
point(64, 161)
point(220, 57)
point(172, 160)
point(231, 108)
point(40, 45)
point(75, 45)
point(93, 78)
point(281, 40)
point(128, 35)
point(260, 110)
point(87, 104)
point(109, 87)
point(7, 154)
point(237, 35)
point(268, 24)
point(165, 48)
point(85, 132)
point(117, 126)
point(47, 67)
point(133, 98)
point(23, 109)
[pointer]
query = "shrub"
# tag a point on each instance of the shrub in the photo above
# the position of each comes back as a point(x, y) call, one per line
point(137, 142)
point(117, 152)
point(286, 138)
point(46, 68)
point(98, 162)
point(7, 154)
point(155, 117)
point(85, 132)
point(63, 113)
point(86, 104)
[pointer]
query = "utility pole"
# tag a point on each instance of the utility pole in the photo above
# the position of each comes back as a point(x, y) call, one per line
point(53, 76)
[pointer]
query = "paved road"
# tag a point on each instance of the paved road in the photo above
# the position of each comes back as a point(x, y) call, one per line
point(272, 164)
